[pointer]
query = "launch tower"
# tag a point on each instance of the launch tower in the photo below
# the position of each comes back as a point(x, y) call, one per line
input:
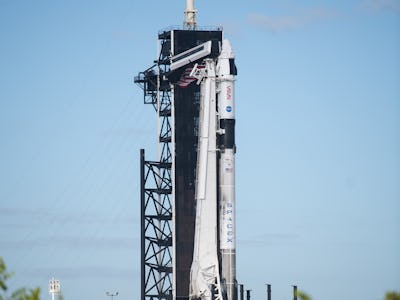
point(168, 184)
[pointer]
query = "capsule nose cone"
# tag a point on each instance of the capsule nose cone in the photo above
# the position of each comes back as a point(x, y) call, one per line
point(226, 51)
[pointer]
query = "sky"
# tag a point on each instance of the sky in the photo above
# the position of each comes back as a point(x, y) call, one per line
point(317, 134)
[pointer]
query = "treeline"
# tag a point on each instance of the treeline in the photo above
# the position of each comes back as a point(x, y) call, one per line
point(21, 293)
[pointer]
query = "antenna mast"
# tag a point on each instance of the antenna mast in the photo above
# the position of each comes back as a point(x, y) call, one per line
point(190, 16)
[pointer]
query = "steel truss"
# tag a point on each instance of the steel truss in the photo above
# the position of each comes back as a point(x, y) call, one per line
point(157, 187)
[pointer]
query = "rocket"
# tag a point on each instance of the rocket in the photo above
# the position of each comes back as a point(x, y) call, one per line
point(226, 73)
point(188, 56)
point(213, 271)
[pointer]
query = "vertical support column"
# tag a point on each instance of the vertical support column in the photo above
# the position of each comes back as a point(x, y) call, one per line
point(295, 292)
point(174, 292)
point(142, 225)
point(268, 291)
point(248, 294)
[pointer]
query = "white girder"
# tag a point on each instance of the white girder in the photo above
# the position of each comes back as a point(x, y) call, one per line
point(205, 275)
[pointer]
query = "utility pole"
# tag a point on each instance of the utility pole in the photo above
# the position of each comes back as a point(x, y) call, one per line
point(112, 295)
point(268, 291)
point(241, 292)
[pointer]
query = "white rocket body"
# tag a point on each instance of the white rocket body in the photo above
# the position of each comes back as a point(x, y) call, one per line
point(213, 271)
point(226, 73)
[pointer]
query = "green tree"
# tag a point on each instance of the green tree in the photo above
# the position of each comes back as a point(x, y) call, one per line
point(303, 295)
point(392, 295)
point(20, 294)
point(4, 275)
point(25, 294)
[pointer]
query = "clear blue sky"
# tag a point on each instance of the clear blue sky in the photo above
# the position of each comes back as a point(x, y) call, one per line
point(318, 136)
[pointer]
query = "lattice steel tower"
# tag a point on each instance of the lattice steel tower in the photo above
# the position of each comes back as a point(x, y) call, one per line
point(168, 182)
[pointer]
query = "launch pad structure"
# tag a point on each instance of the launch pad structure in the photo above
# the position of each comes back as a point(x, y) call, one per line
point(168, 184)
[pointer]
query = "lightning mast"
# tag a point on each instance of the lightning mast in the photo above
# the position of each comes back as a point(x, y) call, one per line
point(190, 16)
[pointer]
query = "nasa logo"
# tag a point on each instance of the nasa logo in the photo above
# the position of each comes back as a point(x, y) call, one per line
point(229, 108)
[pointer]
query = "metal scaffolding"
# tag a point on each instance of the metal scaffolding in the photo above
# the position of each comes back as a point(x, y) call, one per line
point(168, 183)
point(157, 188)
